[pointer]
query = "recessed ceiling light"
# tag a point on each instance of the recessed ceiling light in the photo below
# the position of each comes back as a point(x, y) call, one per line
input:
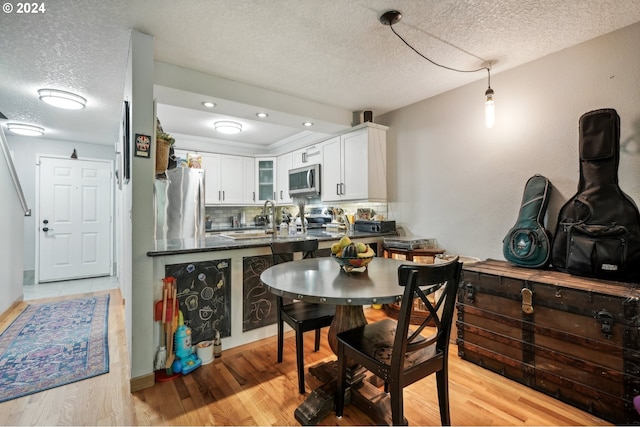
point(62, 99)
point(209, 104)
point(26, 130)
point(307, 124)
point(262, 115)
point(228, 127)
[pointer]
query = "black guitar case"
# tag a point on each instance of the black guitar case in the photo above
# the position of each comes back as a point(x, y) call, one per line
point(528, 243)
point(598, 232)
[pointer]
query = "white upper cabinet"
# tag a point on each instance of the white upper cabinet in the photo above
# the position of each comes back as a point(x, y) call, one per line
point(211, 166)
point(249, 180)
point(231, 178)
point(283, 164)
point(265, 178)
point(354, 165)
point(307, 156)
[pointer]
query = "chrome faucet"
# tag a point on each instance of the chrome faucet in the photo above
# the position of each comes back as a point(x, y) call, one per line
point(273, 214)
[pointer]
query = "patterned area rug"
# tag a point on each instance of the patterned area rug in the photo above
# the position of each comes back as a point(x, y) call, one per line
point(54, 344)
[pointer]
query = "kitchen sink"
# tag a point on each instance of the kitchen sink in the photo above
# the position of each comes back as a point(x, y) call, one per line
point(247, 234)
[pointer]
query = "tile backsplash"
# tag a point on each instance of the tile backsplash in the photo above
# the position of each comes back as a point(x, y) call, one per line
point(222, 216)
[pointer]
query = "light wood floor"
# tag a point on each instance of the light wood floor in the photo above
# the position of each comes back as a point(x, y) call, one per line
point(247, 387)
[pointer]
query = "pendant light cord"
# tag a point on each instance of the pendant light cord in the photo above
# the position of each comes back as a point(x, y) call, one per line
point(440, 65)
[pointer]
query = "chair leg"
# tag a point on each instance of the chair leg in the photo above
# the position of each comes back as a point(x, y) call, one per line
point(340, 381)
point(280, 338)
point(443, 396)
point(316, 347)
point(397, 408)
point(300, 360)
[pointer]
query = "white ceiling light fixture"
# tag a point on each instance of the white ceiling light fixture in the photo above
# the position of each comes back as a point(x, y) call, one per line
point(25, 130)
point(209, 104)
point(307, 124)
point(393, 17)
point(262, 115)
point(62, 99)
point(228, 127)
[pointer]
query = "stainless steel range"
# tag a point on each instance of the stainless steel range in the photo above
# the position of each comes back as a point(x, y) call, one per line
point(317, 217)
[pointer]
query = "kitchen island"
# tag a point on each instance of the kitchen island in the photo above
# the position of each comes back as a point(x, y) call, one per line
point(219, 285)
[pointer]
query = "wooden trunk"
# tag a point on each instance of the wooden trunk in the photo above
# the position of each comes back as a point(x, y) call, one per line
point(574, 338)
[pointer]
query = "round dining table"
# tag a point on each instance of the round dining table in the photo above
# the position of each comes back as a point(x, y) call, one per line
point(322, 280)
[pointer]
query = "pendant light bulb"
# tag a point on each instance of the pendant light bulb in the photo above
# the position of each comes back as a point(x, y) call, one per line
point(489, 109)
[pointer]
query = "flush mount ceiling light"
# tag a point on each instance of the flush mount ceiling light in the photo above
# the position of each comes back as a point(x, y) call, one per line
point(62, 99)
point(262, 115)
point(307, 124)
point(393, 17)
point(228, 127)
point(25, 130)
point(209, 104)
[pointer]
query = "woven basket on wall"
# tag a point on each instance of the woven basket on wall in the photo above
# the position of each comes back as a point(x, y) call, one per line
point(162, 155)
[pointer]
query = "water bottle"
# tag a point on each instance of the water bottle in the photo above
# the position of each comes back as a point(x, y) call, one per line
point(284, 229)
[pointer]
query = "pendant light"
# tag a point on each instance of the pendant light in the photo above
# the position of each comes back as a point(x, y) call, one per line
point(393, 17)
point(489, 105)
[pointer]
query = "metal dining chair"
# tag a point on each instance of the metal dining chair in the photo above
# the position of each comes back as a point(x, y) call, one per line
point(401, 355)
point(301, 316)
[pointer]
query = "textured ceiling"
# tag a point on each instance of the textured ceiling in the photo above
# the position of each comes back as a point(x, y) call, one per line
point(332, 52)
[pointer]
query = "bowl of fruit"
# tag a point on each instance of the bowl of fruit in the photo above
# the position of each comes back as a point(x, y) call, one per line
point(351, 255)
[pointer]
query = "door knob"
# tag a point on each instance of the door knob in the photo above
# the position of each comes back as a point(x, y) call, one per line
point(45, 229)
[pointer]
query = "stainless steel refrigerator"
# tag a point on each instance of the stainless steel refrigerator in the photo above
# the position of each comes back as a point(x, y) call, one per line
point(179, 204)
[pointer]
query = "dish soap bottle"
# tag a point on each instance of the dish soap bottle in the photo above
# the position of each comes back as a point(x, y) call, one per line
point(217, 345)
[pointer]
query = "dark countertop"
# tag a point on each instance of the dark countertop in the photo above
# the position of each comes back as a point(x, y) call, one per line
point(228, 227)
point(220, 243)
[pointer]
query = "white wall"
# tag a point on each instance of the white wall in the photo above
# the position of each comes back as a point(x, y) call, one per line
point(11, 229)
point(140, 84)
point(452, 179)
point(25, 152)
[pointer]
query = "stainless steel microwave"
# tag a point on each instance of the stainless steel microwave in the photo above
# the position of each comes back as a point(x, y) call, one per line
point(305, 181)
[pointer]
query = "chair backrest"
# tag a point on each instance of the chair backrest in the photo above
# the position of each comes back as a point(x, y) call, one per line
point(283, 251)
point(441, 282)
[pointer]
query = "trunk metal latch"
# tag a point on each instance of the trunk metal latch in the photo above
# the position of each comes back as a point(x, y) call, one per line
point(527, 300)
point(606, 319)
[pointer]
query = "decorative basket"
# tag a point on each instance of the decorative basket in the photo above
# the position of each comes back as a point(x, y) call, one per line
point(162, 155)
point(349, 264)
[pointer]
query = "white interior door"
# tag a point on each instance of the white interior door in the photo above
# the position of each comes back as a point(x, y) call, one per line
point(74, 219)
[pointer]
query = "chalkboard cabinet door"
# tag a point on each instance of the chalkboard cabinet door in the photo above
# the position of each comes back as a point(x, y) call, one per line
point(204, 297)
point(259, 305)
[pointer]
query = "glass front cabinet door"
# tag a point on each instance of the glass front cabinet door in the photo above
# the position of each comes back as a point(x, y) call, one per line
point(266, 176)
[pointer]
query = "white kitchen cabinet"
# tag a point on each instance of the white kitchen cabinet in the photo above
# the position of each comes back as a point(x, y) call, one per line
point(354, 165)
point(212, 190)
point(248, 180)
point(307, 156)
point(265, 178)
point(231, 179)
point(283, 164)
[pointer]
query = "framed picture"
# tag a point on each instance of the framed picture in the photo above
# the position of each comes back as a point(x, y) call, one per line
point(125, 156)
point(143, 145)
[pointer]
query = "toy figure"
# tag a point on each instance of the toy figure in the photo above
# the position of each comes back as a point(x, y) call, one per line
point(186, 360)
